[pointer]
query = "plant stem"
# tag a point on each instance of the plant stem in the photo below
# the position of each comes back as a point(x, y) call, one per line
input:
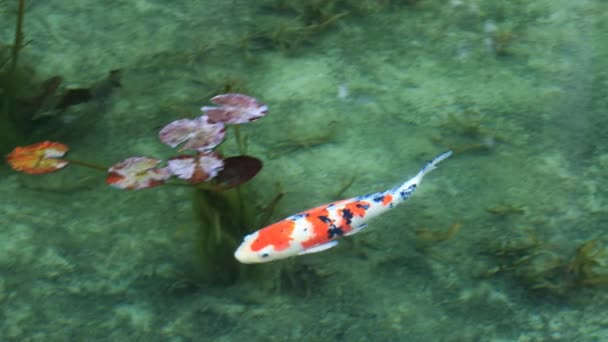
point(87, 165)
point(8, 105)
point(239, 140)
point(18, 43)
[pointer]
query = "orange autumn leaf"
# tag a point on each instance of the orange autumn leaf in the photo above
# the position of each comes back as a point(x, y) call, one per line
point(39, 158)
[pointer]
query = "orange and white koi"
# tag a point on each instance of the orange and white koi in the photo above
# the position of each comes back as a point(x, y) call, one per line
point(319, 228)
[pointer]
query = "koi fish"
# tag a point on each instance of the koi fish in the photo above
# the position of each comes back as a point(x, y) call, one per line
point(318, 229)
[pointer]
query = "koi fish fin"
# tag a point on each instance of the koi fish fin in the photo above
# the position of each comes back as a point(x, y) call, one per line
point(356, 229)
point(432, 165)
point(319, 248)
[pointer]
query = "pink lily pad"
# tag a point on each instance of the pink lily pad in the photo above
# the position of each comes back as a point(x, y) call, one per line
point(137, 173)
point(196, 169)
point(197, 134)
point(235, 109)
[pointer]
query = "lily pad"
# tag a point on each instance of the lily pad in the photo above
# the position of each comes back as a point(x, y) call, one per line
point(235, 109)
point(197, 134)
point(137, 173)
point(39, 158)
point(196, 169)
point(238, 170)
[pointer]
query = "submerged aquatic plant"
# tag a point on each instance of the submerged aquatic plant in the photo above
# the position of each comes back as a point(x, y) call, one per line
point(589, 266)
point(426, 238)
point(27, 101)
point(541, 266)
point(221, 203)
point(13, 79)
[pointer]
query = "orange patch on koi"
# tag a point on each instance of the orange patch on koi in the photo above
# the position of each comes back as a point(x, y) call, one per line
point(319, 226)
point(277, 235)
point(387, 199)
point(357, 208)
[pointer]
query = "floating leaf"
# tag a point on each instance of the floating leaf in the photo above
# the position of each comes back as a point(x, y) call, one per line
point(196, 169)
point(238, 170)
point(137, 173)
point(42, 157)
point(198, 134)
point(235, 109)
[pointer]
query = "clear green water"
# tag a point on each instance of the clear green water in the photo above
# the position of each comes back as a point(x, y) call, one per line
point(364, 91)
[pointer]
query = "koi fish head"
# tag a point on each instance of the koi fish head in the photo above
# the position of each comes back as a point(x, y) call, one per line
point(271, 243)
point(246, 255)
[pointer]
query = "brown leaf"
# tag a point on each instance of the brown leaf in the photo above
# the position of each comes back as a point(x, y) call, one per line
point(238, 170)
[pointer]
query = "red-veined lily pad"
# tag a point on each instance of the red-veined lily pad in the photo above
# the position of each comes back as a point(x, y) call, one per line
point(235, 109)
point(196, 134)
point(137, 173)
point(196, 169)
point(238, 170)
point(42, 157)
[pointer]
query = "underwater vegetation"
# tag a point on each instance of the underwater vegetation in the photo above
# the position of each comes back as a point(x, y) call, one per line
point(539, 265)
point(426, 238)
point(504, 210)
point(15, 82)
point(26, 102)
point(224, 207)
point(506, 24)
point(295, 142)
point(292, 24)
point(589, 266)
point(468, 134)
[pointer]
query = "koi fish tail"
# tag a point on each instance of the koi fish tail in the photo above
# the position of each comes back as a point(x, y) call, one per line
point(432, 165)
point(406, 189)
